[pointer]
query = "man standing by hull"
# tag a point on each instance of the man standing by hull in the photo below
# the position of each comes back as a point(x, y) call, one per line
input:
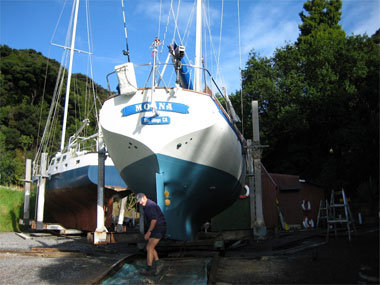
point(156, 231)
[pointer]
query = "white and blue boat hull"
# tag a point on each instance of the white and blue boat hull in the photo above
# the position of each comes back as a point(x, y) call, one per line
point(71, 190)
point(190, 150)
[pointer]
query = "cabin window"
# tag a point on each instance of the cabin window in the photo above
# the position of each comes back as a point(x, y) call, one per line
point(58, 159)
point(52, 161)
point(64, 157)
point(78, 161)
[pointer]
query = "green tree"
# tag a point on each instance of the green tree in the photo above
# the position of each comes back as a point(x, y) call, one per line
point(27, 83)
point(26, 142)
point(321, 15)
point(318, 102)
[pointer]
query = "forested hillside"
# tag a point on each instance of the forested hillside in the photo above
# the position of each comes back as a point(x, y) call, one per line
point(319, 103)
point(27, 84)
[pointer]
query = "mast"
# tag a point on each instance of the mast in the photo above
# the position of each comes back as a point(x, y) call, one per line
point(76, 3)
point(198, 49)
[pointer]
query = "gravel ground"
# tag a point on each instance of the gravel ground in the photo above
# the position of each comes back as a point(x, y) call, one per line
point(337, 261)
point(49, 259)
point(27, 241)
point(294, 258)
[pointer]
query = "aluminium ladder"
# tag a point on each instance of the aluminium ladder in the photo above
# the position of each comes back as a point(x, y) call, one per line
point(322, 212)
point(339, 213)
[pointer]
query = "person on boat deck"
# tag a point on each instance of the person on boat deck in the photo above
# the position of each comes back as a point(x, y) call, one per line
point(156, 231)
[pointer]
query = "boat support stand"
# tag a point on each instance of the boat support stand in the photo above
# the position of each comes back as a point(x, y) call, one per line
point(39, 224)
point(101, 235)
point(254, 150)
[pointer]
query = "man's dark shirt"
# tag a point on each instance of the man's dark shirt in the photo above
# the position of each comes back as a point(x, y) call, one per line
point(153, 212)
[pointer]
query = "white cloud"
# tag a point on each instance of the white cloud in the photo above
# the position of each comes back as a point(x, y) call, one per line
point(269, 27)
point(265, 26)
point(157, 14)
point(360, 17)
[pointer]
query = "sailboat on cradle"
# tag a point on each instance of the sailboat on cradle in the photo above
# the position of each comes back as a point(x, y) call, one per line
point(178, 145)
point(71, 185)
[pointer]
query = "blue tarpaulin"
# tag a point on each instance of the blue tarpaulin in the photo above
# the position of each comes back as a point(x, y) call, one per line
point(176, 271)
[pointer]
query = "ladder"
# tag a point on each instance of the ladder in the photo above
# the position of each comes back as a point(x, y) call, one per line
point(339, 213)
point(322, 212)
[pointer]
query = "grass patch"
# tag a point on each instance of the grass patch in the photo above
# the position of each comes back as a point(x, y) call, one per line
point(12, 208)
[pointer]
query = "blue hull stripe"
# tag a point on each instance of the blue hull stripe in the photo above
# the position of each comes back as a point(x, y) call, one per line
point(83, 177)
point(196, 192)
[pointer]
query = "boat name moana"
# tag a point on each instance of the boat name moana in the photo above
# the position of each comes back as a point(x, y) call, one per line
point(159, 106)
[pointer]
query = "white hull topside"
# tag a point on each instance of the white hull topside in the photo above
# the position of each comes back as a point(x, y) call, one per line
point(73, 160)
point(202, 136)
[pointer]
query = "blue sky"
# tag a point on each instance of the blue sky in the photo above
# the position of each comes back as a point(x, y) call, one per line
point(264, 26)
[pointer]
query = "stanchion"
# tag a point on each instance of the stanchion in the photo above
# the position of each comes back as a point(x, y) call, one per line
point(41, 193)
point(100, 234)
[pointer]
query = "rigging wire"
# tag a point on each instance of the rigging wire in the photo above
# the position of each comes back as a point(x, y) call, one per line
point(212, 45)
point(46, 143)
point(220, 39)
point(240, 69)
point(90, 49)
point(52, 118)
point(89, 64)
point(39, 142)
point(176, 29)
point(45, 139)
point(75, 99)
point(187, 30)
point(189, 22)
point(125, 52)
point(41, 106)
point(166, 28)
point(182, 40)
point(206, 13)
point(159, 21)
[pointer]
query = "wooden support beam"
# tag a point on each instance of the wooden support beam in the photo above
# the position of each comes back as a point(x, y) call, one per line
point(41, 192)
point(100, 234)
point(27, 188)
point(259, 228)
point(119, 227)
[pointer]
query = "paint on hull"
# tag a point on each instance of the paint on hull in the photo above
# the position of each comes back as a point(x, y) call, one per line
point(195, 197)
point(197, 157)
point(71, 196)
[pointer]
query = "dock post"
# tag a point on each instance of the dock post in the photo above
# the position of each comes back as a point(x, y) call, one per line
point(100, 234)
point(119, 227)
point(259, 228)
point(27, 187)
point(251, 181)
point(41, 193)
